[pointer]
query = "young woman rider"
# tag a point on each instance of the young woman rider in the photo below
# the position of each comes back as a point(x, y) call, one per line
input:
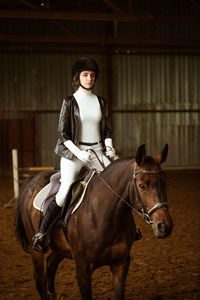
point(84, 124)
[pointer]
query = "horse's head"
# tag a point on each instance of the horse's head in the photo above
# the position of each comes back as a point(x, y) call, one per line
point(150, 191)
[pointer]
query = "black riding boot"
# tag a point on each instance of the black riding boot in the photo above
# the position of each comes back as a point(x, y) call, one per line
point(39, 239)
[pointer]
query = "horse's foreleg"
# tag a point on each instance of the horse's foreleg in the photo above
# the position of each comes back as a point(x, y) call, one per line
point(84, 280)
point(39, 274)
point(119, 271)
point(52, 264)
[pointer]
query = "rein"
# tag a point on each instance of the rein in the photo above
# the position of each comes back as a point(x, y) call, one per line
point(146, 214)
point(101, 163)
point(98, 173)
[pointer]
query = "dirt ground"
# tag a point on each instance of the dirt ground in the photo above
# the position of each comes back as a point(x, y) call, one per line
point(160, 268)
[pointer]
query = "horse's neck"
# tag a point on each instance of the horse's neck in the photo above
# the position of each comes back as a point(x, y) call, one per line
point(118, 176)
point(106, 206)
point(115, 184)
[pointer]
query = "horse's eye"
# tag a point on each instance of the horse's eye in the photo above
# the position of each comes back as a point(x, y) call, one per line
point(142, 186)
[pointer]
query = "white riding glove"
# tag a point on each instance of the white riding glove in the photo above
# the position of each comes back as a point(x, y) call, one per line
point(110, 151)
point(80, 154)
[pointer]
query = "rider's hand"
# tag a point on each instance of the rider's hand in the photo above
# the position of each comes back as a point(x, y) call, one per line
point(83, 156)
point(80, 154)
point(110, 152)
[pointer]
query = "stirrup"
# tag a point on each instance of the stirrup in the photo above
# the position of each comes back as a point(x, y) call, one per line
point(39, 242)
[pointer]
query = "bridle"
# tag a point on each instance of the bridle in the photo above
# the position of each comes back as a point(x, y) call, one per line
point(146, 214)
point(143, 212)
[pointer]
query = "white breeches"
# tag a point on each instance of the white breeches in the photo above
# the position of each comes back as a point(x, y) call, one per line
point(70, 168)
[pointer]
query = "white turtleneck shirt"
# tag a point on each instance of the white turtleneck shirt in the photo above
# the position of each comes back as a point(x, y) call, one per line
point(90, 115)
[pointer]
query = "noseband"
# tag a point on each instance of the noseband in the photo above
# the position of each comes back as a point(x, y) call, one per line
point(146, 214)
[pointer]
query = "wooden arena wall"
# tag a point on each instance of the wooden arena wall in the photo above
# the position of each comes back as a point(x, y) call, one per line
point(153, 99)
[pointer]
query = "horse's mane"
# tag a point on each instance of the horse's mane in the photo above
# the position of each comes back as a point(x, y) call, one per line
point(151, 163)
point(149, 160)
point(120, 161)
point(127, 160)
point(118, 164)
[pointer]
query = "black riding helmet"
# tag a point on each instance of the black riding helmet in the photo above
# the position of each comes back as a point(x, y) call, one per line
point(84, 64)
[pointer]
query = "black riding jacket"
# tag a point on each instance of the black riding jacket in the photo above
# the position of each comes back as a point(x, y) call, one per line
point(69, 124)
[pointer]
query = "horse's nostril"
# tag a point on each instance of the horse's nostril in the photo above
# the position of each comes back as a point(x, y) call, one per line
point(161, 227)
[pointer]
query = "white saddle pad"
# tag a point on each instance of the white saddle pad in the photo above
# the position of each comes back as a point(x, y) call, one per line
point(38, 202)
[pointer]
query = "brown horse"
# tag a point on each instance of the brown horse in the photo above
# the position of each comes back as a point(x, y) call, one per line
point(102, 231)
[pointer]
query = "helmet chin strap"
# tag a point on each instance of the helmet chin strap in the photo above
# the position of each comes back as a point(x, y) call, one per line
point(85, 87)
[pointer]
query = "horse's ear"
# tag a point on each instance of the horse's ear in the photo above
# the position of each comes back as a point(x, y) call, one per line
point(161, 157)
point(140, 155)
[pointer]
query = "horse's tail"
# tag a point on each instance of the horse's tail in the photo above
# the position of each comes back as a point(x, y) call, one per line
point(19, 225)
